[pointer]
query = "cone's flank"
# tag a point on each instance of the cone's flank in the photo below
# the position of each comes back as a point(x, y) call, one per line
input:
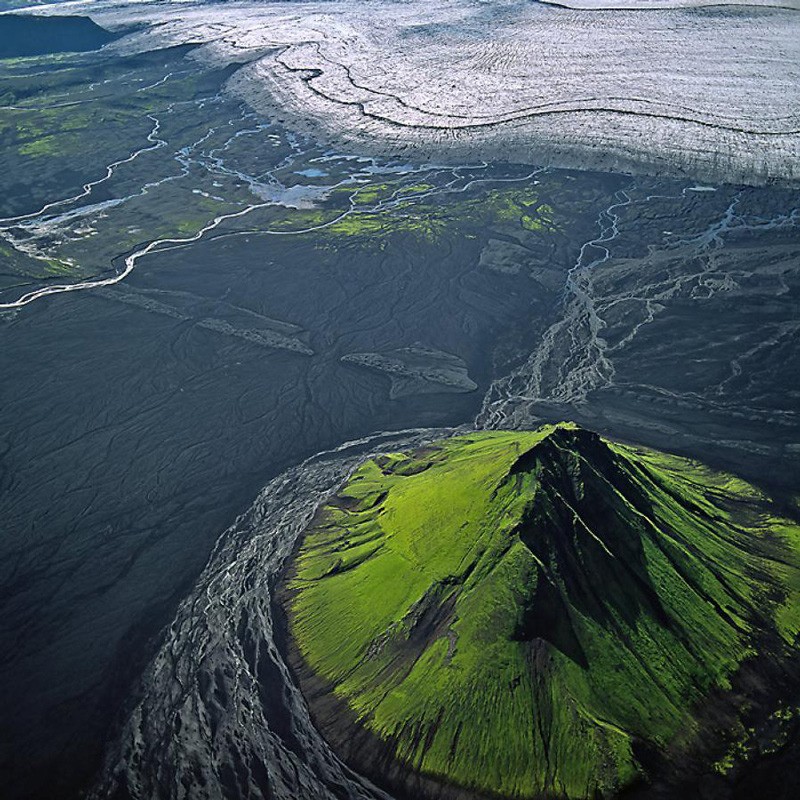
point(523, 614)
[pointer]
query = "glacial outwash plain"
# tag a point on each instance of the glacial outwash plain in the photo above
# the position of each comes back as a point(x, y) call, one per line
point(399, 400)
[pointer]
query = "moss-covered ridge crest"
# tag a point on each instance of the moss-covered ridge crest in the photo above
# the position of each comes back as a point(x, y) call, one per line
point(523, 613)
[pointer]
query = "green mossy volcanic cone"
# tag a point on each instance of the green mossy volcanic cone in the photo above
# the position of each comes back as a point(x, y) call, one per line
point(520, 613)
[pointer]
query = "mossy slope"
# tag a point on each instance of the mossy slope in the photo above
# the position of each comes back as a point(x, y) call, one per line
point(513, 612)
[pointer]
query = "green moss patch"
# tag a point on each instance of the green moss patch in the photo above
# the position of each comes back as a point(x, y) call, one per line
point(511, 612)
point(382, 210)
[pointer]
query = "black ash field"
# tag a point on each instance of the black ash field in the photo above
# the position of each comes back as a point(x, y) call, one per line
point(203, 302)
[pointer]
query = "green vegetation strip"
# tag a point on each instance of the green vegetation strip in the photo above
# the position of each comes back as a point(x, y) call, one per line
point(511, 611)
point(421, 213)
